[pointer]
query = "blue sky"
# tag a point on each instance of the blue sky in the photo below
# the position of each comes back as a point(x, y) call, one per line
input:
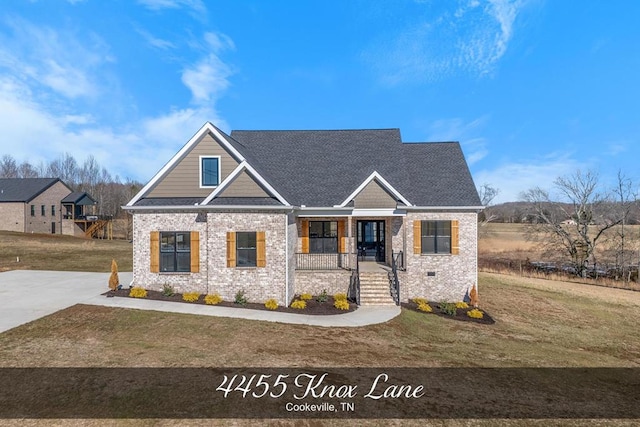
point(532, 89)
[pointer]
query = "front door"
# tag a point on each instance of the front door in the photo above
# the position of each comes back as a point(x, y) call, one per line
point(371, 240)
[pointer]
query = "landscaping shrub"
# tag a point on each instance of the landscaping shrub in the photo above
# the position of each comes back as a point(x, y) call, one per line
point(475, 314)
point(419, 301)
point(212, 299)
point(138, 292)
point(190, 296)
point(423, 306)
point(462, 304)
point(341, 304)
point(240, 299)
point(306, 297)
point(338, 297)
point(167, 290)
point(448, 308)
point(323, 297)
point(271, 304)
point(299, 304)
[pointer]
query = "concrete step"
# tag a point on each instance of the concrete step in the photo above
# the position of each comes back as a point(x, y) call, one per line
point(374, 289)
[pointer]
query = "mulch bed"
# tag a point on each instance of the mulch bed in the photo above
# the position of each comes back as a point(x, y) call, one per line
point(313, 306)
point(461, 313)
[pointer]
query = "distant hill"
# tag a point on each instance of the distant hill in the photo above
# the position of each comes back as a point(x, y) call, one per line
point(521, 212)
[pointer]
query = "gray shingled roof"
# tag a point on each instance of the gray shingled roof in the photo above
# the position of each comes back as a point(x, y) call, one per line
point(321, 168)
point(23, 189)
point(79, 198)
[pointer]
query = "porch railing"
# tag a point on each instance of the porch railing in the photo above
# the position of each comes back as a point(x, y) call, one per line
point(345, 261)
point(353, 294)
point(394, 283)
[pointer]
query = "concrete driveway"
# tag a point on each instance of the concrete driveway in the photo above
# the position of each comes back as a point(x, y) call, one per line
point(27, 295)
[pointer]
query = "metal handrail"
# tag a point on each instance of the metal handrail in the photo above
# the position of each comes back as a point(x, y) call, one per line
point(353, 293)
point(324, 261)
point(394, 283)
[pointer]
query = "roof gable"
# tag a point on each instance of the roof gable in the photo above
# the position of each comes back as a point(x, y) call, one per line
point(79, 198)
point(375, 188)
point(245, 168)
point(177, 179)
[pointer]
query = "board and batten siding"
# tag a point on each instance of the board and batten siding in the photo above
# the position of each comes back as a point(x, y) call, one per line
point(183, 180)
point(373, 196)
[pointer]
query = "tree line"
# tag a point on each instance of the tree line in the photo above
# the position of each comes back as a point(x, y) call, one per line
point(109, 191)
point(584, 220)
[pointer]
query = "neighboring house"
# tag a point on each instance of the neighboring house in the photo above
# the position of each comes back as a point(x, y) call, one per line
point(31, 205)
point(278, 213)
point(47, 205)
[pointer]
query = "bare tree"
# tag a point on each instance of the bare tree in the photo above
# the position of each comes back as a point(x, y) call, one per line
point(25, 170)
point(575, 223)
point(487, 193)
point(8, 167)
point(626, 198)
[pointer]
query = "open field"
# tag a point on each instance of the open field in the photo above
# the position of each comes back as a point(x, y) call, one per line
point(62, 253)
point(505, 249)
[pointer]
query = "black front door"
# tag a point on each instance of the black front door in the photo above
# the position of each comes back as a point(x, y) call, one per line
point(371, 240)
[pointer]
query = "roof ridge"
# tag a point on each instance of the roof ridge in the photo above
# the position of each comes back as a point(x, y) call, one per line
point(315, 130)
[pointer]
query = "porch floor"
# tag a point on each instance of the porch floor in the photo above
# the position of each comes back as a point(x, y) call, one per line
point(373, 267)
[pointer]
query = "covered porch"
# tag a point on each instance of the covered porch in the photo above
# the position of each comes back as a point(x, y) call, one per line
point(341, 242)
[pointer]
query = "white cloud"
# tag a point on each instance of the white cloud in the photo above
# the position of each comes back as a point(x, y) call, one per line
point(38, 125)
point(513, 178)
point(156, 42)
point(209, 77)
point(467, 133)
point(470, 37)
point(56, 60)
point(196, 6)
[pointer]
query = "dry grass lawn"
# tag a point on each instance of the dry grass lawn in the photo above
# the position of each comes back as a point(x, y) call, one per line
point(539, 324)
point(65, 253)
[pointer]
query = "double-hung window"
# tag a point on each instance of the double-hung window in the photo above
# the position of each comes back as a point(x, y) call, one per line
point(209, 171)
point(436, 237)
point(53, 210)
point(323, 237)
point(246, 249)
point(175, 251)
point(43, 210)
point(33, 210)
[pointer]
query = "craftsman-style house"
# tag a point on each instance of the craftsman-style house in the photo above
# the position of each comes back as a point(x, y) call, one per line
point(278, 213)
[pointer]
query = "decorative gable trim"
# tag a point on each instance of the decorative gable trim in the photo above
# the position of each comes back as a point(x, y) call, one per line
point(383, 182)
point(206, 128)
point(254, 174)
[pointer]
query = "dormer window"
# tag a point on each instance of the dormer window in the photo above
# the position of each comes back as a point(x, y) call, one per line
point(209, 171)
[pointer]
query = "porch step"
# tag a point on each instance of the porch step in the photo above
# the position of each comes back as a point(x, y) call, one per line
point(374, 289)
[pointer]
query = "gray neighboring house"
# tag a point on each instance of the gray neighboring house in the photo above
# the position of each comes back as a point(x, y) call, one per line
point(32, 205)
point(278, 213)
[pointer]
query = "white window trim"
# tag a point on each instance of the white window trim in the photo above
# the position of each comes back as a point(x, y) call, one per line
point(200, 169)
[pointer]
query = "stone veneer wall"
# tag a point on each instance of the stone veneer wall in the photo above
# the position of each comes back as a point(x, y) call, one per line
point(259, 284)
point(315, 281)
point(292, 241)
point(143, 225)
point(454, 274)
